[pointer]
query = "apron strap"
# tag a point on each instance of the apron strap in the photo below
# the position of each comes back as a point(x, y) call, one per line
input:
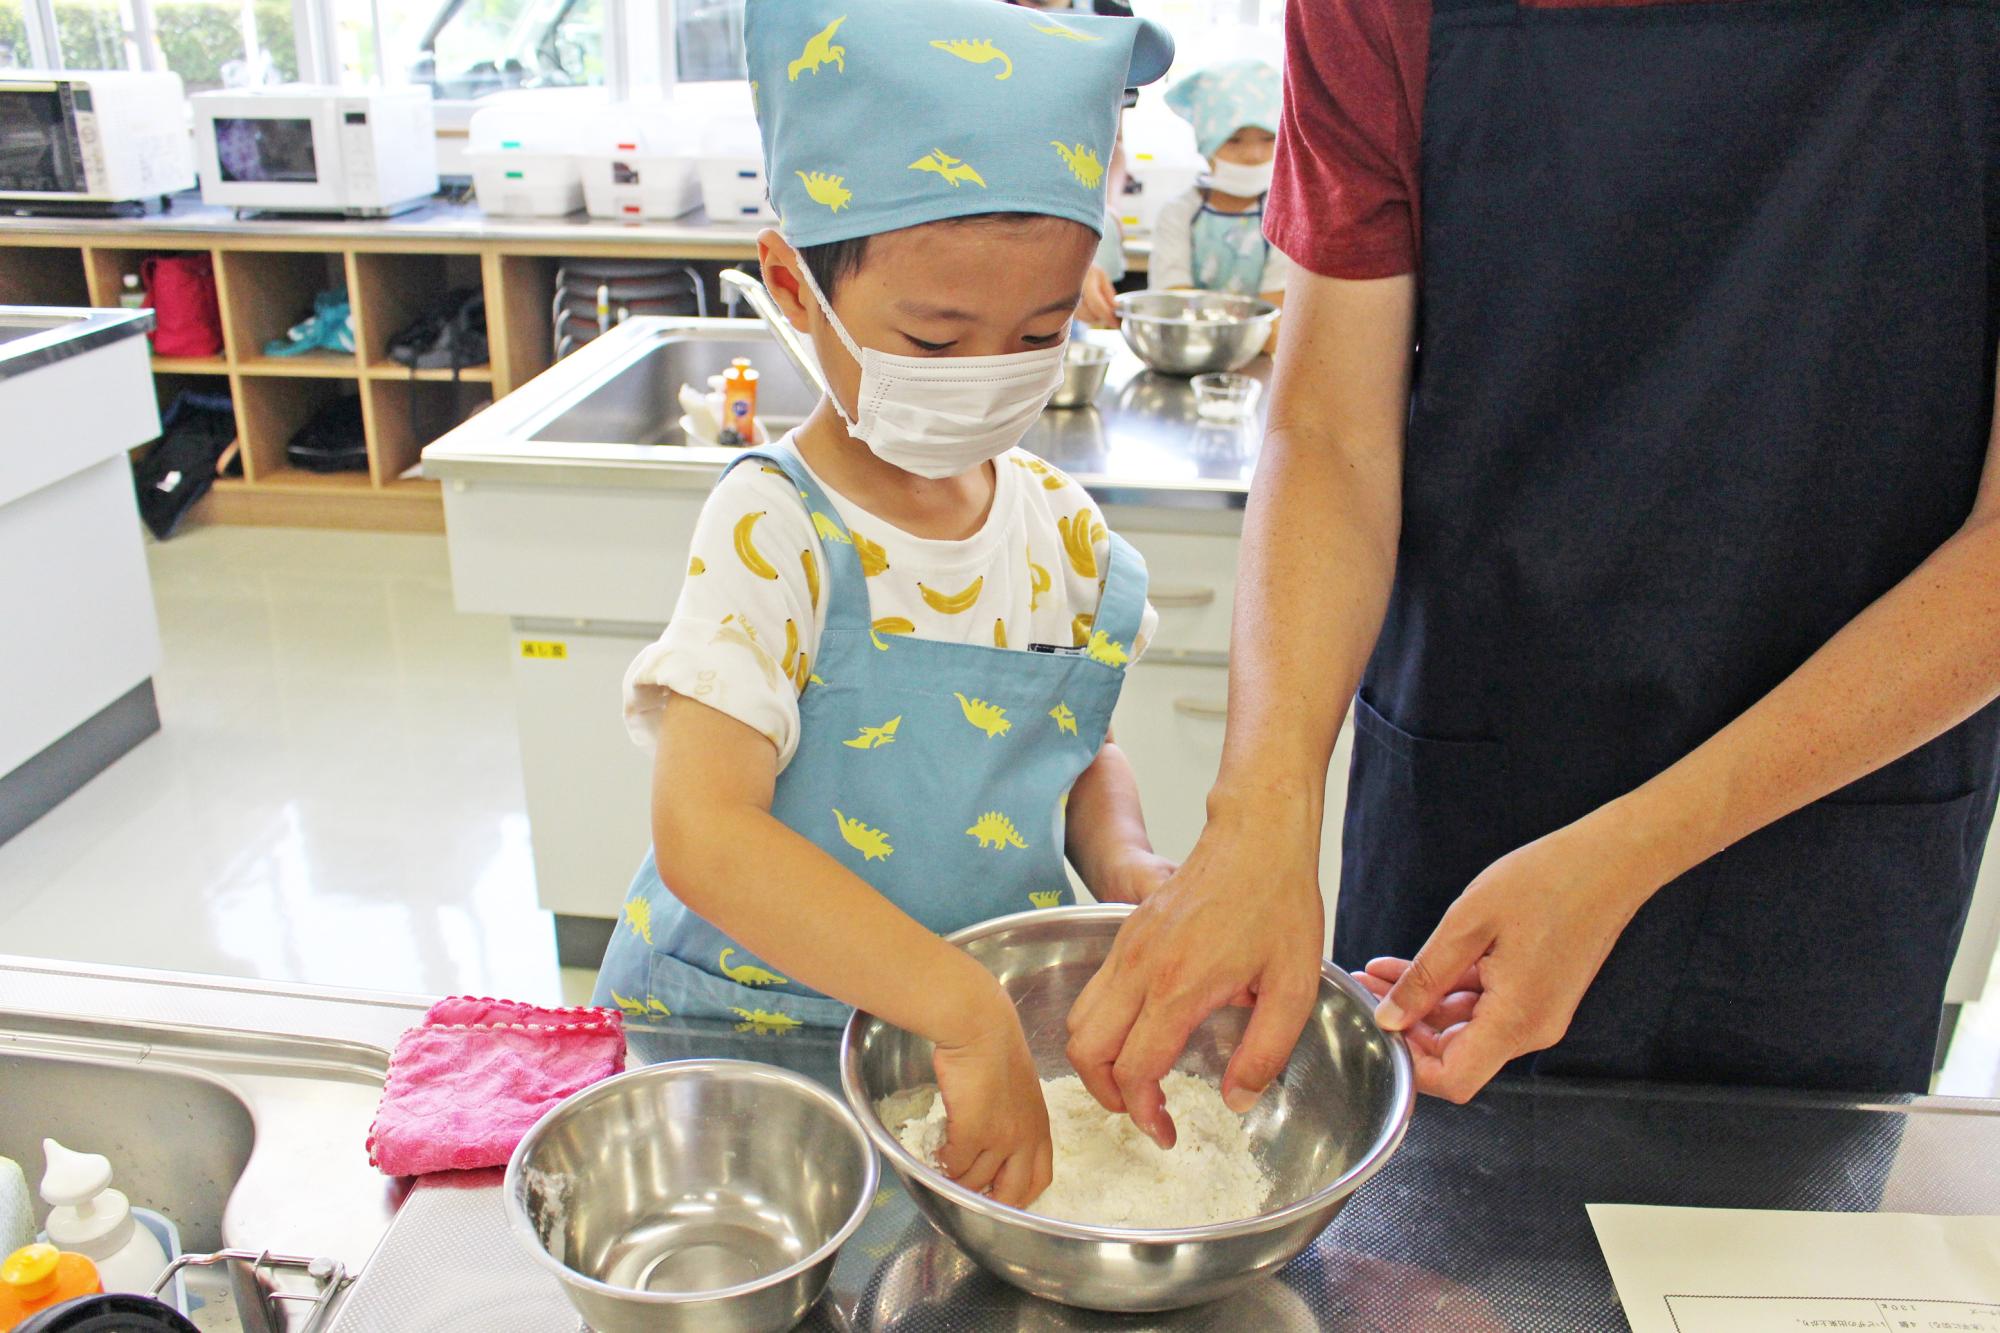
point(847, 587)
point(1122, 608)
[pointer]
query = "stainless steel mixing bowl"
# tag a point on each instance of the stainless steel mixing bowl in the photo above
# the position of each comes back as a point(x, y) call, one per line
point(1195, 333)
point(1327, 1125)
point(703, 1194)
point(1085, 365)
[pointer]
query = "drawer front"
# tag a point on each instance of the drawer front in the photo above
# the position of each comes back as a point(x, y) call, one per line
point(1191, 581)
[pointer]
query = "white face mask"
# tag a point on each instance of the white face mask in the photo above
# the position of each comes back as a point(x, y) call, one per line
point(1245, 182)
point(941, 416)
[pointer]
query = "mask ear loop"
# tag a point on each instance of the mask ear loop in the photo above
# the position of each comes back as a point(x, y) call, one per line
point(840, 331)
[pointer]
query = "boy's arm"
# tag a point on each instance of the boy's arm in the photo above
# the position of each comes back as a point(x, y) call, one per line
point(1106, 831)
point(785, 900)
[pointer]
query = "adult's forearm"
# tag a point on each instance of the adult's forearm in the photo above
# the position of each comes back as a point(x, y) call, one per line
point(1921, 659)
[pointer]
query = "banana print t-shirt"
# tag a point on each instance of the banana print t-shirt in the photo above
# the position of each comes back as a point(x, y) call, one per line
point(746, 643)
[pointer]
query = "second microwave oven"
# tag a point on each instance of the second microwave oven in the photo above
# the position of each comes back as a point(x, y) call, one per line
point(92, 139)
point(363, 152)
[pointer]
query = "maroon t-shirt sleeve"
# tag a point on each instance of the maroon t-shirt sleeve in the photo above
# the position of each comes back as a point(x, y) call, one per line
point(1344, 201)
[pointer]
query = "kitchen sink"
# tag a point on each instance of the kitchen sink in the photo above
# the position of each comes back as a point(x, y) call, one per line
point(639, 401)
point(245, 1141)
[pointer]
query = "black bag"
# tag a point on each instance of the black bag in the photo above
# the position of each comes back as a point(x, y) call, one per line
point(332, 440)
point(451, 336)
point(180, 467)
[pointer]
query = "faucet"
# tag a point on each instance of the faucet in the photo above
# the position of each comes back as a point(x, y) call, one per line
point(739, 283)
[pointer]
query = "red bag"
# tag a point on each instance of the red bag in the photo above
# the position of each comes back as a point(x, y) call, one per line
point(181, 290)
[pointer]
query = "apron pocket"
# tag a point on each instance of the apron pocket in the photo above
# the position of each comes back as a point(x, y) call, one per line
point(692, 993)
point(1423, 817)
point(1822, 956)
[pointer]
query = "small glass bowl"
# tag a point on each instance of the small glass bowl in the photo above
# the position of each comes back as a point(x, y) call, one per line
point(1225, 397)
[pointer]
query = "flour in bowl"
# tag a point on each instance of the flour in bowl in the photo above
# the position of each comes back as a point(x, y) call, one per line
point(1108, 1173)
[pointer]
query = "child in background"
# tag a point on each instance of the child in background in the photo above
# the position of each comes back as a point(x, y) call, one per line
point(882, 705)
point(1212, 238)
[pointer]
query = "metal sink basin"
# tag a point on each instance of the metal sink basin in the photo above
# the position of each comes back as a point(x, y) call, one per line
point(246, 1141)
point(639, 401)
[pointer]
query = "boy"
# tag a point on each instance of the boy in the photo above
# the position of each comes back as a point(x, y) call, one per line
point(882, 704)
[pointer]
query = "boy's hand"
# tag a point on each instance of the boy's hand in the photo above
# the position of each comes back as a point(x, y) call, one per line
point(1132, 878)
point(997, 1125)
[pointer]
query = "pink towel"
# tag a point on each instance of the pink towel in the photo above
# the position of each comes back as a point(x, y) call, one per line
point(475, 1076)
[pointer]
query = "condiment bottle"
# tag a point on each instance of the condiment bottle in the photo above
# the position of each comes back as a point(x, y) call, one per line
point(37, 1277)
point(739, 403)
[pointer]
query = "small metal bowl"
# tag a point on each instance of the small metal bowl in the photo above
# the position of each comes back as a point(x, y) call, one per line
point(701, 1194)
point(1084, 368)
point(1195, 333)
point(1322, 1130)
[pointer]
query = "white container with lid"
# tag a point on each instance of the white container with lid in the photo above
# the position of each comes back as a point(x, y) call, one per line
point(733, 188)
point(523, 153)
point(641, 162)
point(90, 1218)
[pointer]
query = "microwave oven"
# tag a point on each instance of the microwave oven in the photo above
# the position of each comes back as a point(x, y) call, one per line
point(360, 152)
point(84, 140)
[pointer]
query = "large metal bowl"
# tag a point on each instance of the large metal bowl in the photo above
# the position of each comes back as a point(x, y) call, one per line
point(1323, 1129)
point(703, 1194)
point(1195, 333)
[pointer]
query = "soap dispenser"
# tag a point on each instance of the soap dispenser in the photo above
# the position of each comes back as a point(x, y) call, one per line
point(90, 1218)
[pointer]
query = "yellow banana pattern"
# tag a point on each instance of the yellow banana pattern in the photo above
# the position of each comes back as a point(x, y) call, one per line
point(741, 634)
point(1000, 633)
point(833, 192)
point(980, 52)
point(874, 560)
point(1079, 630)
point(747, 974)
point(812, 576)
point(1080, 536)
point(1065, 719)
point(890, 625)
point(791, 647)
point(804, 674)
point(996, 833)
point(872, 843)
point(821, 50)
point(697, 566)
point(956, 603)
point(874, 738)
point(746, 547)
point(989, 718)
point(1038, 583)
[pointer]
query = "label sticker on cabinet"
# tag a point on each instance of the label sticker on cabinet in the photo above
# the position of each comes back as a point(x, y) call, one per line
point(548, 650)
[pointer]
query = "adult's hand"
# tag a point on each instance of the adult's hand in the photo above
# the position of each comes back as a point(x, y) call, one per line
point(1240, 923)
point(1504, 971)
point(1099, 297)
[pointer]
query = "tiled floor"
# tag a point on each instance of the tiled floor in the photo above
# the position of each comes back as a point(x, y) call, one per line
point(336, 795)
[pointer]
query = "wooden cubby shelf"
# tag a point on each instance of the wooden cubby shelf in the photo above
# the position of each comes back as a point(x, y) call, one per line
point(190, 365)
point(305, 366)
point(390, 370)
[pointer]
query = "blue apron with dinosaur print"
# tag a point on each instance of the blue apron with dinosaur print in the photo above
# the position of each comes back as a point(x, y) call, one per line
point(936, 771)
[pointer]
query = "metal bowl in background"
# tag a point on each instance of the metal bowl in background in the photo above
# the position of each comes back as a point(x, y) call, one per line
point(1085, 365)
point(704, 1194)
point(1195, 333)
point(1323, 1129)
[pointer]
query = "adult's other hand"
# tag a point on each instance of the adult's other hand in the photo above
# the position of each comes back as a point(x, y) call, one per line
point(1240, 923)
point(1099, 307)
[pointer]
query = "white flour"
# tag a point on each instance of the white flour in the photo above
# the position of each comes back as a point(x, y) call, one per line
point(1108, 1173)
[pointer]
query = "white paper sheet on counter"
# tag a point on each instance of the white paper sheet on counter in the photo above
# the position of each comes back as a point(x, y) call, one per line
point(1726, 1270)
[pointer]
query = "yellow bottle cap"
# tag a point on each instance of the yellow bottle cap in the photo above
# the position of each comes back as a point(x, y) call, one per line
point(31, 1271)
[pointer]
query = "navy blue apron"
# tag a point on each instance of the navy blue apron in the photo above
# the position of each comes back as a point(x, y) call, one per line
point(1707, 336)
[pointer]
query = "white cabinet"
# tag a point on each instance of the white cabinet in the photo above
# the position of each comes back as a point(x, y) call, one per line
point(1169, 723)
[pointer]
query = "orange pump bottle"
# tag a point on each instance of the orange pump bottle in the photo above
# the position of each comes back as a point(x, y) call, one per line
point(739, 402)
point(36, 1277)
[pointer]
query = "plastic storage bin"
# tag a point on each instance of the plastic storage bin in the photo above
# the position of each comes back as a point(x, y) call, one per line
point(523, 158)
point(641, 162)
point(732, 189)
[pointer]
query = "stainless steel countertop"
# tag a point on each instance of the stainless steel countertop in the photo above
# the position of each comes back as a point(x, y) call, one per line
point(1140, 445)
point(35, 336)
point(437, 220)
point(1476, 1225)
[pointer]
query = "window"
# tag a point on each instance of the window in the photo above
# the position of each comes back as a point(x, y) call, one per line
point(96, 34)
point(226, 43)
point(708, 40)
point(14, 53)
point(468, 48)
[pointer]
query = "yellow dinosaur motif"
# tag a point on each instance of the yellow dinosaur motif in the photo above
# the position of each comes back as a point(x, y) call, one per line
point(632, 1007)
point(1103, 648)
point(747, 974)
point(812, 576)
point(1038, 583)
point(996, 832)
point(821, 51)
point(813, 679)
point(872, 843)
point(1080, 536)
point(953, 603)
point(791, 647)
point(874, 560)
point(1065, 719)
point(1000, 633)
point(989, 718)
point(1079, 630)
point(1082, 161)
point(697, 566)
point(653, 1006)
point(764, 1022)
point(1055, 29)
point(746, 547)
point(874, 738)
point(980, 52)
point(743, 636)
point(829, 190)
point(952, 169)
point(639, 912)
point(755, 109)
point(828, 530)
point(890, 625)
point(1045, 898)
